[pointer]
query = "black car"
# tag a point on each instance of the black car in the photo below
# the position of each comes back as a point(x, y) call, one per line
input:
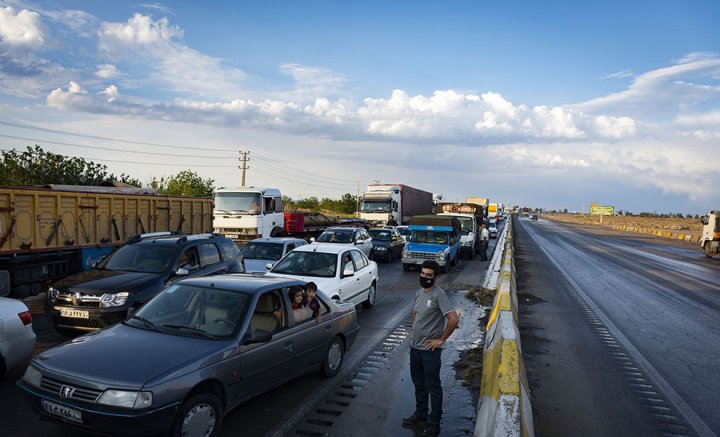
point(534, 217)
point(133, 274)
point(387, 243)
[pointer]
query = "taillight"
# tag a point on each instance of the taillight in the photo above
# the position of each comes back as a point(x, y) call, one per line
point(26, 317)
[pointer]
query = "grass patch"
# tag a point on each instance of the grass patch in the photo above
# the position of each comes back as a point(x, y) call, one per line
point(482, 296)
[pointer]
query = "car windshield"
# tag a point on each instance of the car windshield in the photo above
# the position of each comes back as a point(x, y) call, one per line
point(404, 231)
point(335, 237)
point(150, 258)
point(238, 203)
point(380, 234)
point(375, 205)
point(262, 250)
point(466, 225)
point(193, 311)
point(318, 264)
point(429, 237)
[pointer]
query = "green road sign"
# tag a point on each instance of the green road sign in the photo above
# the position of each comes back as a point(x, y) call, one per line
point(602, 210)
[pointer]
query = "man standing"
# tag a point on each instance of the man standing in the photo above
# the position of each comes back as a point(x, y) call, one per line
point(484, 240)
point(427, 339)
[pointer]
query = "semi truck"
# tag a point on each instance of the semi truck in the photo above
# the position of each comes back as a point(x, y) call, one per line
point(710, 241)
point(52, 231)
point(470, 217)
point(383, 203)
point(435, 237)
point(246, 213)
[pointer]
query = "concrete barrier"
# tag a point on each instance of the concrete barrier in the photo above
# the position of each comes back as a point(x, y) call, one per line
point(659, 233)
point(504, 408)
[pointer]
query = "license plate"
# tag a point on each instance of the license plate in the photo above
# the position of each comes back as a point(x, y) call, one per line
point(70, 414)
point(76, 314)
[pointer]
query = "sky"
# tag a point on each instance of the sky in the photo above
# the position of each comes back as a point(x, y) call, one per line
point(539, 103)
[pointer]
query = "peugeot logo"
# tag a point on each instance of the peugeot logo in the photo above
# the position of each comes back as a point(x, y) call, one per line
point(76, 298)
point(66, 391)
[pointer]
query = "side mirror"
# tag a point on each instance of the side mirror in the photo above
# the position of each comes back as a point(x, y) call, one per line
point(258, 336)
point(704, 220)
point(181, 272)
point(312, 239)
point(349, 271)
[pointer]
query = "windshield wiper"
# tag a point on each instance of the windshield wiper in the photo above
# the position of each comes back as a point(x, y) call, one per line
point(196, 331)
point(148, 324)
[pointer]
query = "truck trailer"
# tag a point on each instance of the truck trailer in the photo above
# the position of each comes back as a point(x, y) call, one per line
point(49, 232)
point(382, 203)
point(480, 201)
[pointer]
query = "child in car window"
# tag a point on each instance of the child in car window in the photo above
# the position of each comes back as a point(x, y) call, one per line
point(312, 302)
point(297, 297)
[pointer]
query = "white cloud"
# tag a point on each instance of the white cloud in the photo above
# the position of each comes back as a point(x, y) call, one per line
point(20, 29)
point(619, 74)
point(107, 71)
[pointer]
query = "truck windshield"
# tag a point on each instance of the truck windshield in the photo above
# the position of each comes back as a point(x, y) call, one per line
point(375, 205)
point(238, 203)
point(429, 237)
point(139, 258)
point(466, 225)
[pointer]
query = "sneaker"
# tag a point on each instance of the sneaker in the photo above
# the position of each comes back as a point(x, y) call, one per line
point(414, 420)
point(431, 430)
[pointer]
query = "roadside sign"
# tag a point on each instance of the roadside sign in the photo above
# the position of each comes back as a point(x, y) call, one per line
point(602, 210)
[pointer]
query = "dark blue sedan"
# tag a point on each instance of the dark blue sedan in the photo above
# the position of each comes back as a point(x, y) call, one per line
point(190, 355)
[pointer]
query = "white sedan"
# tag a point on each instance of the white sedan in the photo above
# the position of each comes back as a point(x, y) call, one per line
point(340, 272)
point(17, 339)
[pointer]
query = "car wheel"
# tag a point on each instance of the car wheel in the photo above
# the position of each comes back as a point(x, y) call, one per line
point(201, 415)
point(370, 302)
point(406, 267)
point(333, 358)
point(707, 250)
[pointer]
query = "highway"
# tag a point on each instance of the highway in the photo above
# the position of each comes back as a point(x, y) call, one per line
point(621, 334)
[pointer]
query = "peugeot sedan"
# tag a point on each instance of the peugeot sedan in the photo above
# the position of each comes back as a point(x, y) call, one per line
point(186, 358)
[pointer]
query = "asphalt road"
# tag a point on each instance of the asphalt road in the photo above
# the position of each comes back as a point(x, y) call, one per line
point(621, 335)
point(278, 411)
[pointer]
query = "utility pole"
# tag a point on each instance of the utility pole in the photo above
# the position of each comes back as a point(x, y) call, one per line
point(244, 167)
point(357, 201)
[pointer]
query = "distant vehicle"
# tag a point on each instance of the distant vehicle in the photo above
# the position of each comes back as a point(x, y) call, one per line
point(133, 274)
point(404, 232)
point(710, 241)
point(180, 363)
point(470, 216)
point(435, 237)
point(17, 339)
point(492, 231)
point(534, 217)
point(382, 203)
point(357, 237)
point(340, 272)
point(260, 252)
point(387, 244)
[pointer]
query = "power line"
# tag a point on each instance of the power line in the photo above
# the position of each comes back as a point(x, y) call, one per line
point(96, 137)
point(274, 162)
point(301, 178)
point(143, 163)
point(35, 140)
point(301, 182)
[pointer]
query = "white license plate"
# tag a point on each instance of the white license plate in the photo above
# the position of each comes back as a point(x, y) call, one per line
point(70, 414)
point(76, 314)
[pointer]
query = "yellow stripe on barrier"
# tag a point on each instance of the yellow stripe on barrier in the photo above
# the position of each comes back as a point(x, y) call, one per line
point(501, 370)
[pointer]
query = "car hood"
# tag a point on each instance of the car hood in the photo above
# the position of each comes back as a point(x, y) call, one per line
point(126, 357)
point(425, 247)
point(376, 243)
point(257, 265)
point(103, 281)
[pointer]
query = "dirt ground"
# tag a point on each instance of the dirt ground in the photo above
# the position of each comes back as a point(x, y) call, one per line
point(689, 226)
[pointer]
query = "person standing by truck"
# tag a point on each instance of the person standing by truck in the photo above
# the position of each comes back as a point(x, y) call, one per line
point(484, 240)
point(427, 339)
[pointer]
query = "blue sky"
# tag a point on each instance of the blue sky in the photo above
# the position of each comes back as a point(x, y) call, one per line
point(541, 103)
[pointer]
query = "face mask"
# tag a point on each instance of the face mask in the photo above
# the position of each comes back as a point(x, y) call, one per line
point(427, 282)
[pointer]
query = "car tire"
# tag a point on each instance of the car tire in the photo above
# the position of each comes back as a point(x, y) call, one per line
point(372, 296)
point(277, 232)
point(332, 363)
point(199, 415)
point(406, 267)
point(707, 250)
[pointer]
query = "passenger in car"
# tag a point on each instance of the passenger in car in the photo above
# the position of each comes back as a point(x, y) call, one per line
point(312, 301)
point(297, 297)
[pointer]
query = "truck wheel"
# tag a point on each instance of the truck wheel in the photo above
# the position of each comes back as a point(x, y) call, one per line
point(707, 250)
point(277, 232)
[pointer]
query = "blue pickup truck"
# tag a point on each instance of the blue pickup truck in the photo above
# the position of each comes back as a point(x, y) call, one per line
point(434, 237)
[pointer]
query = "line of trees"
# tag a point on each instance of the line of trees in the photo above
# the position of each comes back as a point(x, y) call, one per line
point(347, 204)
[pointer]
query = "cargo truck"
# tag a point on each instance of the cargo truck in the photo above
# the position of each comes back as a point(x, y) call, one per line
point(383, 203)
point(470, 217)
point(481, 201)
point(246, 213)
point(53, 231)
point(710, 241)
point(492, 210)
point(434, 237)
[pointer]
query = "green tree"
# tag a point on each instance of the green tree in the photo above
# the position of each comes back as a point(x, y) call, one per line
point(185, 183)
point(38, 167)
point(310, 204)
point(288, 204)
point(348, 203)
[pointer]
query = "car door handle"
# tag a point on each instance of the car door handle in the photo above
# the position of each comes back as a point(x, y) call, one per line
point(289, 347)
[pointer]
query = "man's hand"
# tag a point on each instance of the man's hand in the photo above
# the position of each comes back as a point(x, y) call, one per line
point(433, 343)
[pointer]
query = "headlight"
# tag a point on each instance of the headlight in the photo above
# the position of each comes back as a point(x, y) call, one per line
point(32, 376)
point(114, 299)
point(126, 399)
point(52, 293)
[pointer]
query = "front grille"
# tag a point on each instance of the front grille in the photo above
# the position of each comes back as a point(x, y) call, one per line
point(84, 394)
point(79, 299)
point(421, 255)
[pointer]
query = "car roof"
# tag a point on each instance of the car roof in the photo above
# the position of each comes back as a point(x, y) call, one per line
point(275, 239)
point(324, 248)
point(242, 282)
point(171, 238)
point(343, 228)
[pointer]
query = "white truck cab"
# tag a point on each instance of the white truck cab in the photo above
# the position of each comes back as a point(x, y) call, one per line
point(246, 213)
point(710, 241)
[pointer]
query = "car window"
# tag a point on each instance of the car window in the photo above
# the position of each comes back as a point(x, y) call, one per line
point(229, 249)
point(359, 258)
point(332, 236)
point(278, 204)
point(209, 254)
point(139, 258)
point(345, 261)
point(269, 312)
point(188, 259)
point(381, 234)
point(317, 264)
point(289, 247)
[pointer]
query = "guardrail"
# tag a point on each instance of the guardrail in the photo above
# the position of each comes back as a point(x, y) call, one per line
point(504, 407)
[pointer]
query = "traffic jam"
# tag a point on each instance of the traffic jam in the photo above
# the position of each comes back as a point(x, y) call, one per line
point(219, 316)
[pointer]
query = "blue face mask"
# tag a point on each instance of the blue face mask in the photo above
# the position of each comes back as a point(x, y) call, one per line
point(427, 282)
